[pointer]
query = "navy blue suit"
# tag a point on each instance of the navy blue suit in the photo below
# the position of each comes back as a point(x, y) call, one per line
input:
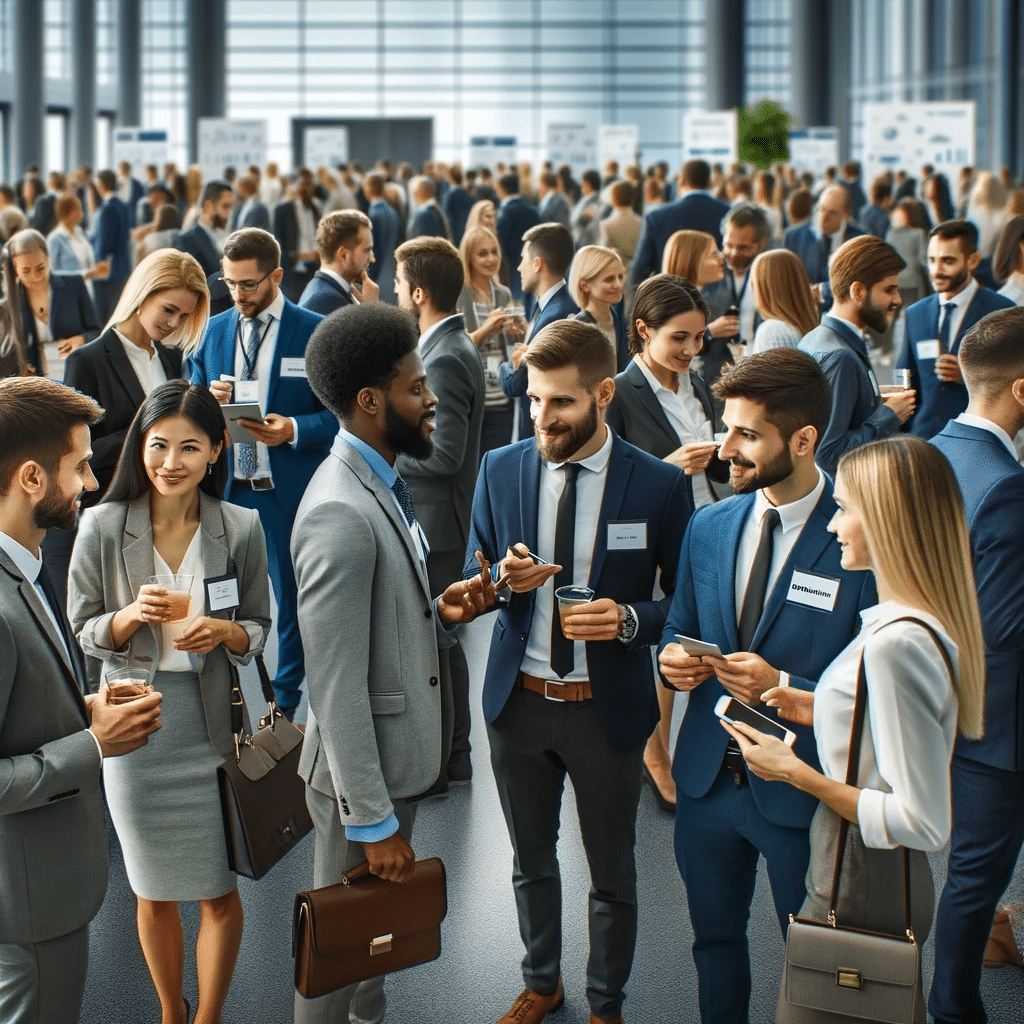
point(939, 401)
point(515, 217)
point(257, 216)
point(111, 239)
point(457, 204)
point(987, 774)
point(721, 827)
point(385, 229)
point(324, 295)
point(198, 243)
point(71, 313)
point(814, 256)
point(513, 382)
point(429, 220)
point(292, 467)
point(695, 211)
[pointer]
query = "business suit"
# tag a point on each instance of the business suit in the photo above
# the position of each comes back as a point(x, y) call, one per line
point(621, 231)
point(939, 401)
point(286, 231)
point(720, 295)
point(63, 259)
point(515, 217)
point(71, 313)
point(622, 356)
point(324, 295)
point(135, 192)
point(111, 239)
point(291, 464)
point(987, 774)
point(53, 836)
point(442, 485)
point(385, 227)
point(695, 211)
point(198, 242)
point(513, 381)
point(815, 253)
point(858, 413)
point(721, 827)
point(429, 220)
point(44, 213)
point(555, 208)
point(256, 216)
point(456, 205)
point(377, 677)
point(101, 370)
point(598, 743)
point(586, 216)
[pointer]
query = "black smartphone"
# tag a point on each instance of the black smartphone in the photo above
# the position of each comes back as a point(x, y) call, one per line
point(731, 710)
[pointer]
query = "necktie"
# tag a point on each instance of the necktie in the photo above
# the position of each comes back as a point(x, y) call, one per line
point(565, 544)
point(944, 338)
point(404, 495)
point(44, 587)
point(757, 582)
point(247, 452)
point(824, 252)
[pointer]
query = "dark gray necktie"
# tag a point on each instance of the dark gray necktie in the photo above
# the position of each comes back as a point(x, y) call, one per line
point(757, 582)
point(944, 333)
point(565, 549)
point(404, 495)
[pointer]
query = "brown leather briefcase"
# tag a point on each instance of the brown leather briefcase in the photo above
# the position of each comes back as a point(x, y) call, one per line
point(365, 926)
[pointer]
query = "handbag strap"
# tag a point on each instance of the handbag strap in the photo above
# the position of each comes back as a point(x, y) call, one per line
point(853, 765)
point(238, 701)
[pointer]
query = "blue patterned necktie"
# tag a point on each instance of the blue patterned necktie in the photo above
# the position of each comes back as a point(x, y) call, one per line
point(404, 495)
point(246, 452)
point(947, 322)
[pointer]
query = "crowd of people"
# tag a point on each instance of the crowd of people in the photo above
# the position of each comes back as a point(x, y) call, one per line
point(638, 423)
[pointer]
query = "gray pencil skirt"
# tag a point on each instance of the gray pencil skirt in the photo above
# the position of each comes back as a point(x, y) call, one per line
point(164, 802)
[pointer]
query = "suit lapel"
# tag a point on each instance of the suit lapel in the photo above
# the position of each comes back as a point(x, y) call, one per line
point(320, 275)
point(137, 548)
point(280, 348)
point(435, 341)
point(114, 348)
point(727, 577)
point(649, 400)
point(529, 495)
point(620, 469)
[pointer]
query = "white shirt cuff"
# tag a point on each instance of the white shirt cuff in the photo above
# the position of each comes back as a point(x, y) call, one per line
point(295, 432)
point(95, 740)
point(871, 820)
point(783, 679)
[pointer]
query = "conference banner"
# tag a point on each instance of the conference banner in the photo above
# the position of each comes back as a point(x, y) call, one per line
point(712, 136)
point(226, 143)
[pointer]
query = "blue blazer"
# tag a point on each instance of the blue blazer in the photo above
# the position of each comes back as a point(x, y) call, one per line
point(638, 487)
point(696, 211)
point(457, 204)
point(992, 484)
point(939, 401)
point(257, 216)
point(197, 242)
point(324, 295)
point(291, 467)
point(790, 637)
point(71, 313)
point(111, 237)
point(513, 382)
point(62, 257)
point(807, 245)
point(515, 217)
point(428, 220)
point(385, 224)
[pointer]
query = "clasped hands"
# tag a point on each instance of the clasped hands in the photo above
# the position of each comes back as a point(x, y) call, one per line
point(200, 636)
point(743, 675)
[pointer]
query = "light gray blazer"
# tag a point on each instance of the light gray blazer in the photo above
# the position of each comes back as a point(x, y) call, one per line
point(112, 558)
point(442, 486)
point(378, 684)
point(53, 837)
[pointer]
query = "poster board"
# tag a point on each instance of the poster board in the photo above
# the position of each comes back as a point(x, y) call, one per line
point(491, 150)
point(574, 144)
point(814, 149)
point(139, 147)
point(618, 142)
point(325, 147)
point(227, 143)
point(712, 136)
point(907, 135)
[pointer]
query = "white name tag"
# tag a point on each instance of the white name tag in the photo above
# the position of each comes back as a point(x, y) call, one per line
point(874, 383)
point(222, 593)
point(928, 349)
point(627, 536)
point(293, 367)
point(813, 591)
point(247, 392)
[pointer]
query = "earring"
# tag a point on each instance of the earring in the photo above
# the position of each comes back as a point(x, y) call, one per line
point(209, 468)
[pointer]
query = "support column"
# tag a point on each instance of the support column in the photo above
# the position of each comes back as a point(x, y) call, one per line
point(28, 111)
point(82, 127)
point(723, 50)
point(837, 43)
point(921, 49)
point(809, 62)
point(129, 63)
point(957, 16)
point(206, 43)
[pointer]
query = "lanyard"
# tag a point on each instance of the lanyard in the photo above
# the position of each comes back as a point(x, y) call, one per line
point(250, 367)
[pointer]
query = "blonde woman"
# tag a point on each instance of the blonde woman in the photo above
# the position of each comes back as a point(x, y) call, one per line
point(596, 281)
point(900, 515)
point(986, 209)
point(783, 296)
point(484, 214)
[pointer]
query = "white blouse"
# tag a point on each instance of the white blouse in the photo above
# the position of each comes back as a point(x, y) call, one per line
point(912, 714)
point(774, 334)
point(171, 659)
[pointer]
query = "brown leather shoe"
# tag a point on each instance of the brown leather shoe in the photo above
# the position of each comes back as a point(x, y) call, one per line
point(606, 1020)
point(531, 1007)
point(1002, 945)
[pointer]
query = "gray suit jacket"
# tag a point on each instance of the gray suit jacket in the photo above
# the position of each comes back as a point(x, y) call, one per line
point(376, 658)
point(442, 486)
point(112, 558)
point(53, 836)
point(557, 208)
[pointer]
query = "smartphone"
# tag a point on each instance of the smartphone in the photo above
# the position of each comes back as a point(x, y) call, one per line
point(698, 648)
point(733, 311)
point(731, 710)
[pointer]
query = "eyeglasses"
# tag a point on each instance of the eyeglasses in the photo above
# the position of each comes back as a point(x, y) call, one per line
point(245, 287)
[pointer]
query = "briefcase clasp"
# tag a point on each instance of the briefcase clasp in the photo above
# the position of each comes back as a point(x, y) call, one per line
point(382, 944)
point(847, 977)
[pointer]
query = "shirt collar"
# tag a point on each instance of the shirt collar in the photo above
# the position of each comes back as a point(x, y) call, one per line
point(384, 472)
point(275, 309)
point(983, 424)
point(656, 385)
point(962, 299)
point(335, 276)
point(795, 514)
point(436, 329)
point(859, 331)
point(596, 463)
point(27, 564)
point(549, 294)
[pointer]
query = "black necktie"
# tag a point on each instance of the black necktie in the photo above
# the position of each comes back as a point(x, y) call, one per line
point(824, 252)
point(404, 495)
point(565, 544)
point(947, 320)
point(63, 626)
point(757, 582)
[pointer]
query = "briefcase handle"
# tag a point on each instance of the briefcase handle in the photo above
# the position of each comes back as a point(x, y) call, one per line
point(357, 873)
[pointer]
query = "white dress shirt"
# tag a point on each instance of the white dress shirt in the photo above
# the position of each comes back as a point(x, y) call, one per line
point(544, 299)
point(589, 493)
point(961, 301)
point(306, 224)
point(435, 329)
point(747, 306)
point(993, 428)
point(148, 368)
point(171, 659)
point(912, 716)
point(1014, 293)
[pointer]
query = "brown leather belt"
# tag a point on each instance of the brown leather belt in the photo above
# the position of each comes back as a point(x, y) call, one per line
point(553, 689)
point(263, 483)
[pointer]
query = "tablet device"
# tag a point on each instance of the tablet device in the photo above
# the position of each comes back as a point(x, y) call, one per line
point(698, 648)
point(731, 710)
point(241, 411)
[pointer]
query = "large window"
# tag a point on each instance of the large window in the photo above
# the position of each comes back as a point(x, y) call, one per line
point(164, 84)
point(767, 51)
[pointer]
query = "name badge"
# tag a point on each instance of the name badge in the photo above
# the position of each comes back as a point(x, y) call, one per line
point(222, 593)
point(292, 366)
point(928, 349)
point(628, 535)
point(874, 383)
point(247, 392)
point(813, 591)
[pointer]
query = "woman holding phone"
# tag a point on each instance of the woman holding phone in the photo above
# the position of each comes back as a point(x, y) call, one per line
point(901, 515)
point(163, 514)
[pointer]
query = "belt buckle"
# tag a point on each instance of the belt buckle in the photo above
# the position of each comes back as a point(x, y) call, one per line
point(547, 696)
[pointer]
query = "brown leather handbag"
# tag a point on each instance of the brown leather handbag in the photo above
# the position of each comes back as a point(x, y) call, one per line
point(364, 926)
point(262, 796)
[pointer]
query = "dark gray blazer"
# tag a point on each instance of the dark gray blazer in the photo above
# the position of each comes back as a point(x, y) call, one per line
point(442, 486)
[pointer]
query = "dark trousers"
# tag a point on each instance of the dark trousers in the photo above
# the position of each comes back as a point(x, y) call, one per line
point(497, 428)
point(44, 982)
point(988, 832)
point(718, 840)
point(277, 525)
point(535, 743)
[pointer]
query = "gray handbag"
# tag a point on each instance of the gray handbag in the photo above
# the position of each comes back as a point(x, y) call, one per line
point(835, 973)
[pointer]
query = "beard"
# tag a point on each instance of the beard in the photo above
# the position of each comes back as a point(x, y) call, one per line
point(877, 319)
point(56, 511)
point(406, 437)
point(952, 284)
point(768, 475)
point(569, 440)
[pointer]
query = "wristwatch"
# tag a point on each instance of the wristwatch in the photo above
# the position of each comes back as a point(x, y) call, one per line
point(627, 633)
